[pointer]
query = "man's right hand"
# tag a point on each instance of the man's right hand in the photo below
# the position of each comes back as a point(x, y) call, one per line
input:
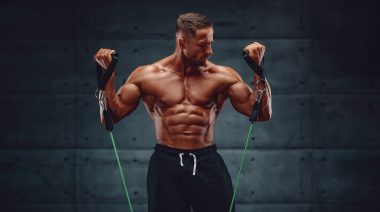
point(103, 57)
point(256, 52)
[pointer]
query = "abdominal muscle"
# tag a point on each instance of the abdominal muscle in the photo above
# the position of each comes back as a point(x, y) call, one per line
point(184, 126)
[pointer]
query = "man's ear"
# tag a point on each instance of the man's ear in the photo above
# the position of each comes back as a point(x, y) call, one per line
point(181, 42)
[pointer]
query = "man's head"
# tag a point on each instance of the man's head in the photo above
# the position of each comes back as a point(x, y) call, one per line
point(194, 36)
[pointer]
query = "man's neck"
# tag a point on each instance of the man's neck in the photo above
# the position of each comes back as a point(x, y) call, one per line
point(182, 65)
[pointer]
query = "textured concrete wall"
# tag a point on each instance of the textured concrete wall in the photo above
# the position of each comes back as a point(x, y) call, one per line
point(320, 151)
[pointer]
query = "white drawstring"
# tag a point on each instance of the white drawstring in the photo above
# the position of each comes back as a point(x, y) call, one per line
point(195, 161)
point(180, 158)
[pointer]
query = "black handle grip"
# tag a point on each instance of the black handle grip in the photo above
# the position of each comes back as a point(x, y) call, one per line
point(107, 120)
point(104, 75)
point(254, 66)
point(245, 53)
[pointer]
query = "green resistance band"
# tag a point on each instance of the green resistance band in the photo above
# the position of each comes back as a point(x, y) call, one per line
point(241, 167)
point(236, 183)
point(121, 172)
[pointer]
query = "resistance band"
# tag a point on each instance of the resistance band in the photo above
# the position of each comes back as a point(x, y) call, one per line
point(254, 115)
point(103, 77)
point(121, 172)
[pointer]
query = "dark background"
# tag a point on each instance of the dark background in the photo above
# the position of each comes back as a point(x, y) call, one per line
point(320, 151)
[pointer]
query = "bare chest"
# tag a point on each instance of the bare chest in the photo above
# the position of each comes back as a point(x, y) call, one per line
point(167, 89)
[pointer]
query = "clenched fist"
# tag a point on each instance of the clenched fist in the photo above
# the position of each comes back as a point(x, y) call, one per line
point(103, 57)
point(256, 52)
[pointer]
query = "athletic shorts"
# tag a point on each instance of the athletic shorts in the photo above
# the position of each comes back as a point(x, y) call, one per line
point(182, 179)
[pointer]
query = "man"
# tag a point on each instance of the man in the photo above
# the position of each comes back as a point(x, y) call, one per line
point(184, 94)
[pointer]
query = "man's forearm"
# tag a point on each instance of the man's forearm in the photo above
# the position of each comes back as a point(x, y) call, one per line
point(266, 104)
point(123, 102)
point(265, 99)
point(112, 103)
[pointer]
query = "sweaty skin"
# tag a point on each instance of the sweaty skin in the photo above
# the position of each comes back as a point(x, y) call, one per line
point(184, 92)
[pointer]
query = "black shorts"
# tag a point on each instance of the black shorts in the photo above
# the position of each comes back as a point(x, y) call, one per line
point(180, 179)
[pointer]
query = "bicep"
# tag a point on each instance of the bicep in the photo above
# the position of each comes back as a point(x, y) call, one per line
point(237, 91)
point(240, 96)
point(129, 94)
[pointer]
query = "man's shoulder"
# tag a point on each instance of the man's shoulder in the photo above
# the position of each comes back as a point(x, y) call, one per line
point(142, 72)
point(146, 69)
point(221, 69)
point(150, 68)
point(225, 70)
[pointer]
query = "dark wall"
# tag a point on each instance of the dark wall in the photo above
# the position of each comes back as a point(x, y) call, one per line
point(319, 152)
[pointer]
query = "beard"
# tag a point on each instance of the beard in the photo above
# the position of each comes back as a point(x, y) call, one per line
point(198, 62)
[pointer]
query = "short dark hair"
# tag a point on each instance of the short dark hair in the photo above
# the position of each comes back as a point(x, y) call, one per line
point(191, 22)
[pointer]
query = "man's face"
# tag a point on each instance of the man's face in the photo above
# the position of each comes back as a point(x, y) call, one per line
point(197, 48)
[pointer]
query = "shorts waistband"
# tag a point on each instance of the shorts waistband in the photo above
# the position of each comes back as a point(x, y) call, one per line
point(174, 151)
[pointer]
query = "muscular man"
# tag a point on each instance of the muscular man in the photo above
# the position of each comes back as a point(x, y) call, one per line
point(184, 94)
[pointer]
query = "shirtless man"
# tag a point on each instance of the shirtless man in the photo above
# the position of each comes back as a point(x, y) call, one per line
point(184, 94)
